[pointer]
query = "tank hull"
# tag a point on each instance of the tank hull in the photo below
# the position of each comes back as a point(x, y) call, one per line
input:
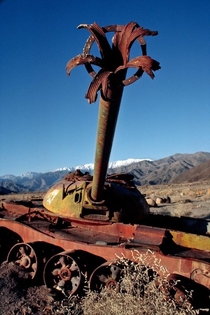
point(180, 252)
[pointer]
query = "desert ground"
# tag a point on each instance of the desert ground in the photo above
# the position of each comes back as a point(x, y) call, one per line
point(187, 199)
point(17, 297)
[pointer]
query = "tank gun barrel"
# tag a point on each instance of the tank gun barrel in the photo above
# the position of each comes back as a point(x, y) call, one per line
point(110, 81)
point(107, 119)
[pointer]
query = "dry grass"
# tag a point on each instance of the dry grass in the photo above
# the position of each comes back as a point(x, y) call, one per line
point(141, 291)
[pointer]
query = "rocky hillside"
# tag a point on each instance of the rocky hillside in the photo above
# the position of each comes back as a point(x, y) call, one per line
point(164, 171)
point(176, 168)
point(197, 173)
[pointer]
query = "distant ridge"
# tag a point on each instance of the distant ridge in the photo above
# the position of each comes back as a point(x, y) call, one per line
point(172, 169)
point(89, 167)
point(195, 174)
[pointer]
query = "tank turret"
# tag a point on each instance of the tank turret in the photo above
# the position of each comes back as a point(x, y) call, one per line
point(105, 197)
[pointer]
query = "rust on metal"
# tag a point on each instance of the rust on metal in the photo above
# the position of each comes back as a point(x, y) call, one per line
point(175, 264)
point(201, 276)
point(110, 81)
point(78, 243)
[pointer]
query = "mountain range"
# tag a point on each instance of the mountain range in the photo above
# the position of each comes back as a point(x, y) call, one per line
point(173, 169)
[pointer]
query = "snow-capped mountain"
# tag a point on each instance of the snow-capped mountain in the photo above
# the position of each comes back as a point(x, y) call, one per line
point(33, 181)
point(68, 169)
point(85, 168)
point(90, 166)
point(8, 177)
point(126, 162)
point(145, 172)
point(29, 175)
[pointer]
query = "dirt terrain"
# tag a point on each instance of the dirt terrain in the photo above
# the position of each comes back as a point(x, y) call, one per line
point(17, 296)
point(187, 199)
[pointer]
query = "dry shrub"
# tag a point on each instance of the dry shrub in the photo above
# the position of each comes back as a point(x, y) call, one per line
point(170, 191)
point(197, 193)
point(205, 198)
point(17, 296)
point(185, 192)
point(141, 291)
point(194, 193)
point(200, 192)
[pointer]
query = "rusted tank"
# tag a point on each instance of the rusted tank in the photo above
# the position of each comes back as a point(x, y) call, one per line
point(86, 221)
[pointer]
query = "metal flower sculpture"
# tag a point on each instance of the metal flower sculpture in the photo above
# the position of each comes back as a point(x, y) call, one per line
point(110, 81)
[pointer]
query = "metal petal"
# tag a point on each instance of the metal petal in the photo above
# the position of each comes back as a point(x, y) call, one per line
point(127, 31)
point(146, 63)
point(123, 40)
point(100, 80)
point(82, 60)
point(139, 34)
point(100, 38)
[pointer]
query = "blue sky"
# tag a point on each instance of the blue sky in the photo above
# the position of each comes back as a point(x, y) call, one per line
point(45, 120)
